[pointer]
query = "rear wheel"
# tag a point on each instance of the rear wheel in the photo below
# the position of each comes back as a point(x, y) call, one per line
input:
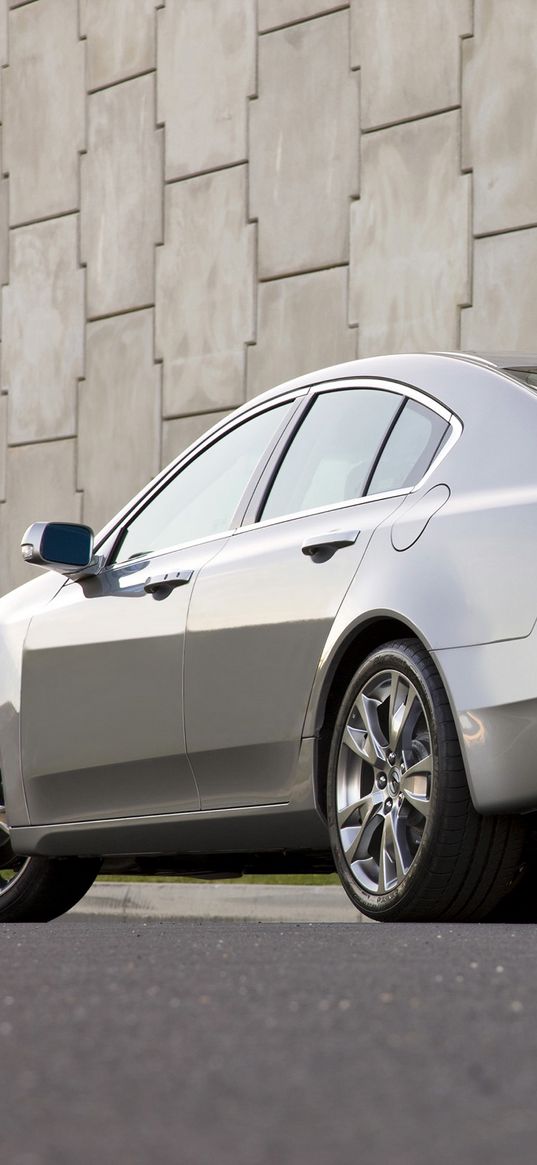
point(407, 842)
point(36, 889)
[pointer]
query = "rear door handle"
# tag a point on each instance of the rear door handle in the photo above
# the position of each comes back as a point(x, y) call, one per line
point(163, 584)
point(327, 544)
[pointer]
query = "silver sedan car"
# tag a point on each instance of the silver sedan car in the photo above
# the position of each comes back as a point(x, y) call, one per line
point(309, 643)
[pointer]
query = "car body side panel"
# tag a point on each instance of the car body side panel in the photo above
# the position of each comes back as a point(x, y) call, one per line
point(493, 690)
point(295, 825)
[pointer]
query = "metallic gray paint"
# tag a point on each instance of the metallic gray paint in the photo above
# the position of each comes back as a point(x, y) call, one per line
point(102, 762)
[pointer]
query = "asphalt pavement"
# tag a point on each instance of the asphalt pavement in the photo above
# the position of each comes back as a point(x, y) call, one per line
point(246, 1043)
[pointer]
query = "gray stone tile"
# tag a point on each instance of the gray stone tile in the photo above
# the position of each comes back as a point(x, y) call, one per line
point(276, 13)
point(40, 487)
point(205, 292)
point(4, 15)
point(4, 224)
point(206, 53)
point(302, 325)
point(409, 56)
point(3, 445)
point(304, 146)
point(499, 113)
point(121, 197)
point(119, 415)
point(410, 238)
point(502, 316)
point(43, 340)
point(44, 110)
point(121, 37)
point(4, 12)
point(181, 432)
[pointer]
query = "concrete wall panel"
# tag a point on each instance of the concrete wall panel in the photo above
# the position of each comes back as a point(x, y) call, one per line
point(409, 56)
point(4, 13)
point(44, 110)
point(304, 146)
point(119, 414)
point(206, 52)
point(121, 197)
point(121, 38)
point(205, 292)
point(43, 314)
point(410, 238)
point(499, 121)
point(503, 315)
point(4, 225)
point(3, 445)
point(40, 487)
point(302, 325)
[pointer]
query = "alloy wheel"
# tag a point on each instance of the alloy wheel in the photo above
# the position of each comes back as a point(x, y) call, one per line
point(384, 781)
point(11, 866)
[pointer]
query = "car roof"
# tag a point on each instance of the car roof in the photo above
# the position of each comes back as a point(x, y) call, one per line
point(402, 366)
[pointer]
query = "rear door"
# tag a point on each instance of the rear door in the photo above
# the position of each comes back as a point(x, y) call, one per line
point(261, 611)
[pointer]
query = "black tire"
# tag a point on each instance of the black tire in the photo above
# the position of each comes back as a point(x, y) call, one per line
point(464, 863)
point(46, 888)
point(520, 904)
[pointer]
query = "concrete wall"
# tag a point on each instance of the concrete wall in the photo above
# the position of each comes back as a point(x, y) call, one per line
point(200, 198)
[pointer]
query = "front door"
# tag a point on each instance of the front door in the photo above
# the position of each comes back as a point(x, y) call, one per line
point(102, 731)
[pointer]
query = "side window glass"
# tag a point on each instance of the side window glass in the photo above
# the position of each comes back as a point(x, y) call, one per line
point(409, 450)
point(202, 499)
point(331, 456)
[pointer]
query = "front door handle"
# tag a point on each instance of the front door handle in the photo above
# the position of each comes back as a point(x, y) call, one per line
point(327, 544)
point(163, 584)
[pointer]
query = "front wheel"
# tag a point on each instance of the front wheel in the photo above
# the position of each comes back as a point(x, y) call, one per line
point(36, 889)
point(407, 842)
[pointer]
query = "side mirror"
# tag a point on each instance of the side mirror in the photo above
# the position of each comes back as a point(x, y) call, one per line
point(61, 546)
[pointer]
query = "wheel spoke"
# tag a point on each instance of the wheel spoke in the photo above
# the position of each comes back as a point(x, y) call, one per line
point(362, 806)
point(417, 801)
point(403, 709)
point(422, 767)
point(416, 785)
point(358, 848)
point(359, 742)
point(369, 712)
point(390, 843)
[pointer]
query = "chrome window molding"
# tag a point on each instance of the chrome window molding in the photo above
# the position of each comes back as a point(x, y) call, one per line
point(385, 385)
point(398, 389)
point(286, 432)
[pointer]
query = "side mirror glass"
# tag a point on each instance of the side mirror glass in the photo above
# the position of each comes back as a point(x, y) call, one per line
point(61, 546)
